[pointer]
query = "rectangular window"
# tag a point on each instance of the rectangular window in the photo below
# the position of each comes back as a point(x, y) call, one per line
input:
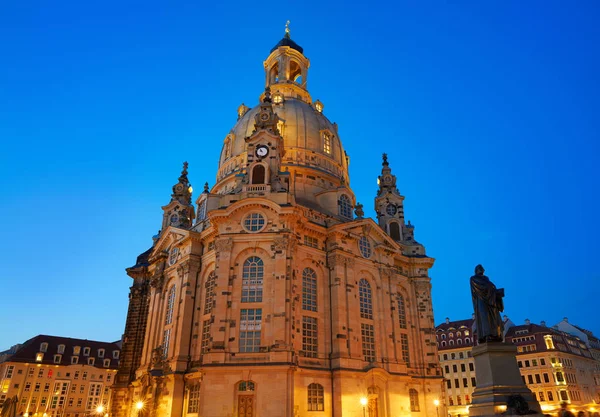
point(37, 387)
point(84, 376)
point(454, 368)
point(9, 371)
point(465, 383)
point(166, 342)
point(106, 363)
point(74, 360)
point(27, 386)
point(456, 384)
point(526, 364)
point(76, 350)
point(471, 367)
point(100, 353)
point(463, 367)
point(250, 327)
point(448, 384)
point(76, 375)
point(326, 143)
point(310, 337)
point(30, 371)
point(91, 361)
point(86, 351)
point(311, 241)
point(473, 382)
point(79, 402)
point(73, 388)
point(405, 351)
point(368, 341)
point(543, 362)
point(447, 369)
point(542, 396)
point(538, 380)
point(40, 372)
point(46, 387)
point(546, 378)
point(205, 343)
point(194, 399)
point(530, 379)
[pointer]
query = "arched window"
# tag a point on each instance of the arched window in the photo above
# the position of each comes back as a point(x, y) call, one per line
point(201, 211)
point(443, 343)
point(365, 298)
point(316, 398)
point(451, 335)
point(445, 356)
point(414, 399)
point(252, 280)
point(458, 334)
point(326, 142)
point(345, 208)
point(395, 231)
point(467, 340)
point(295, 72)
point(459, 341)
point(170, 305)
point(443, 336)
point(209, 292)
point(274, 73)
point(245, 386)
point(401, 312)
point(258, 174)
point(453, 356)
point(309, 290)
point(227, 148)
point(451, 343)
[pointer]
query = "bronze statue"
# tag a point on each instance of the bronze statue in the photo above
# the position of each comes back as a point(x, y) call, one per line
point(487, 305)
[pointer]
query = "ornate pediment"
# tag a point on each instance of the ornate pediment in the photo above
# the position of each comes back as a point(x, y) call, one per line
point(168, 238)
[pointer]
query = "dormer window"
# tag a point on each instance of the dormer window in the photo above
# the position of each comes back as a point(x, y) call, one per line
point(277, 98)
point(91, 361)
point(61, 349)
point(100, 353)
point(76, 350)
point(115, 354)
point(44, 347)
point(74, 360)
point(326, 142)
point(106, 363)
point(39, 357)
point(86, 351)
point(345, 206)
point(319, 106)
point(57, 358)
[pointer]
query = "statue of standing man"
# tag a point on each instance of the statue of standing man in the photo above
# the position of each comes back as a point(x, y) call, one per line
point(487, 305)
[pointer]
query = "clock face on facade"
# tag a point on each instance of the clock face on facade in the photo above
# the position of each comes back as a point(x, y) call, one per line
point(262, 151)
point(264, 117)
point(391, 209)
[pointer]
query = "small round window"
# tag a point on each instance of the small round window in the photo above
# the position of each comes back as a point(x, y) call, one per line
point(173, 256)
point(254, 222)
point(365, 247)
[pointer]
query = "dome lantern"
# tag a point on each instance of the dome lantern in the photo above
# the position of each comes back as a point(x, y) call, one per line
point(286, 68)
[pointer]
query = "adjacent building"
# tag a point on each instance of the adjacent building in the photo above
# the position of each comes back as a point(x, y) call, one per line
point(58, 376)
point(556, 366)
point(273, 295)
point(455, 340)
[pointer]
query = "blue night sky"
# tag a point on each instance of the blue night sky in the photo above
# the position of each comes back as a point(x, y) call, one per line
point(488, 110)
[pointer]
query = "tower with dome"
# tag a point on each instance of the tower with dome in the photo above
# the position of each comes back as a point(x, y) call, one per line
point(273, 296)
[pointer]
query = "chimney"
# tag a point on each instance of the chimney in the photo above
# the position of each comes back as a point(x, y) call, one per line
point(527, 322)
point(543, 323)
point(566, 319)
point(447, 320)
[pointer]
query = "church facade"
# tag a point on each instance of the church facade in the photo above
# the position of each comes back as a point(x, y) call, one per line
point(273, 296)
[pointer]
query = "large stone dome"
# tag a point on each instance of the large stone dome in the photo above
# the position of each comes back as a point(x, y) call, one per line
point(303, 129)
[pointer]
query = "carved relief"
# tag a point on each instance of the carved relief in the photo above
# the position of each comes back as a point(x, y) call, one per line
point(280, 243)
point(224, 245)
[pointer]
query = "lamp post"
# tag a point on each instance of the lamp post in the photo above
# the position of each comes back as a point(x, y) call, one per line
point(139, 406)
point(363, 402)
point(437, 409)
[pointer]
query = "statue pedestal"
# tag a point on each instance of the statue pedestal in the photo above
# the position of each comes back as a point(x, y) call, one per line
point(499, 379)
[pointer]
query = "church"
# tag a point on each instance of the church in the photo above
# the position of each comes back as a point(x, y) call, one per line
point(273, 296)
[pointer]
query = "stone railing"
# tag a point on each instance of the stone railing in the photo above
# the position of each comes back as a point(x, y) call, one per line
point(231, 165)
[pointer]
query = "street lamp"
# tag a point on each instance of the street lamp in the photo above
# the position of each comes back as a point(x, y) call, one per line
point(139, 405)
point(100, 409)
point(437, 405)
point(364, 402)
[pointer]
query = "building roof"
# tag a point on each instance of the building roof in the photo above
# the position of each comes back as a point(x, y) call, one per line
point(562, 341)
point(285, 41)
point(28, 351)
point(455, 325)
